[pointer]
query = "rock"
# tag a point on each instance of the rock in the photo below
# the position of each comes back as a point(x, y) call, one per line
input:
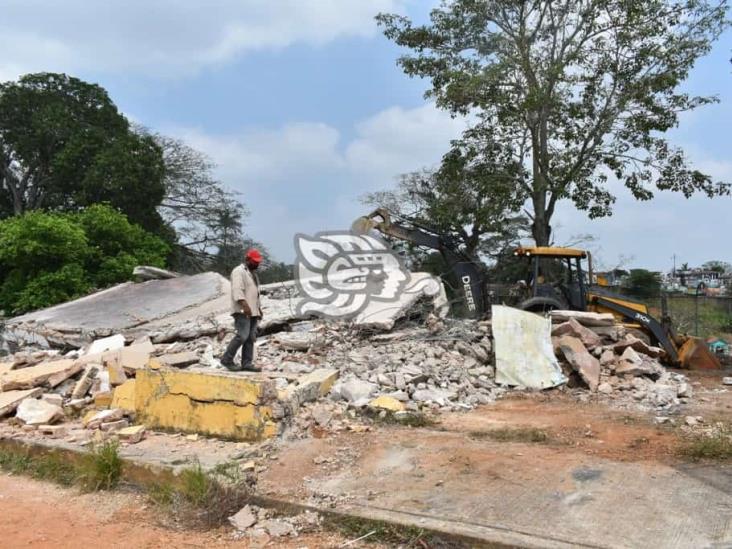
point(278, 528)
point(572, 327)
point(56, 431)
point(179, 360)
point(581, 361)
point(638, 345)
point(85, 381)
point(605, 388)
point(132, 434)
point(355, 389)
point(114, 425)
point(9, 400)
point(321, 415)
point(607, 358)
point(584, 318)
point(47, 373)
point(38, 412)
point(387, 403)
point(94, 419)
point(244, 519)
point(105, 344)
point(53, 398)
point(438, 396)
point(727, 381)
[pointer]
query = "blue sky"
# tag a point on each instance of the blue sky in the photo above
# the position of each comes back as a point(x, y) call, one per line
point(302, 107)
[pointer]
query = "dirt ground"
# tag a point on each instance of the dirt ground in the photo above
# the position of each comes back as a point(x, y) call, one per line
point(40, 514)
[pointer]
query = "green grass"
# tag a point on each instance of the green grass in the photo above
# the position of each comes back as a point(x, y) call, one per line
point(512, 434)
point(101, 469)
point(715, 446)
point(204, 499)
point(408, 419)
point(392, 535)
point(51, 467)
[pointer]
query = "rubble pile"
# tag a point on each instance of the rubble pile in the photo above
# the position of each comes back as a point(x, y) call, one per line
point(260, 525)
point(616, 364)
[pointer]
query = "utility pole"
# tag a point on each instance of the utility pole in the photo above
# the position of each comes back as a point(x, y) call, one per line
point(673, 272)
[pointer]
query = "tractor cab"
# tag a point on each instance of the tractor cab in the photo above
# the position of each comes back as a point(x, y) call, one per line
point(555, 278)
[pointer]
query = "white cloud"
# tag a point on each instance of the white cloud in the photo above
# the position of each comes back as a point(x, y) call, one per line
point(168, 37)
point(305, 178)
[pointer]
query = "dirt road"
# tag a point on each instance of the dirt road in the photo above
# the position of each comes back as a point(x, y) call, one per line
point(38, 514)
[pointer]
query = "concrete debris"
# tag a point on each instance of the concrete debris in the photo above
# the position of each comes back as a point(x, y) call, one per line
point(111, 343)
point(572, 327)
point(48, 373)
point(145, 272)
point(586, 365)
point(82, 387)
point(179, 360)
point(585, 318)
point(132, 434)
point(38, 412)
point(727, 381)
point(53, 398)
point(388, 403)
point(9, 400)
point(355, 390)
point(244, 519)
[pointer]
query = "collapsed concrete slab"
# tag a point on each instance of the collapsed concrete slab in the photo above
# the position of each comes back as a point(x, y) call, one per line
point(48, 373)
point(523, 348)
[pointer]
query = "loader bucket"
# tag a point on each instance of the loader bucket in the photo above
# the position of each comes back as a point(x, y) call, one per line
point(695, 355)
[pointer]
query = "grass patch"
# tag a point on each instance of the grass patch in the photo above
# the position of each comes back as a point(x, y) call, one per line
point(51, 467)
point(512, 434)
point(101, 469)
point(716, 446)
point(407, 419)
point(392, 535)
point(204, 499)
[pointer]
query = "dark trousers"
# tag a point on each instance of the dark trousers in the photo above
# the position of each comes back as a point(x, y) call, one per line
point(246, 334)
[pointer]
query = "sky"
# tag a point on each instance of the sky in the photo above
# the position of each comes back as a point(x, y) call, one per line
point(303, 109)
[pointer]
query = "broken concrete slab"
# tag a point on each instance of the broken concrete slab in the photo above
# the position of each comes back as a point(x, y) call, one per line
point(38, 412)
point(523, 348)
point(85, 381)
point(131, 358)
point(130, 309)
point(178, 360)
point(572, 327)
point(390, 404)
point(212, 403)
point(245, 518)
point(9, 400)
point(354, 390)
point(53, 398)
point(124, 396)
point(586, 365)
point(132, 434)
point(585, 318)
point(6, 366)
point(111, 343)
point(638, 345)
point(146, 272)
point(94, 419)
point(47, 373)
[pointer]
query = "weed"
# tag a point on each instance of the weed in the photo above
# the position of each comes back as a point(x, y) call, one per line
point(717, 445)
point(374, 531)
point(101, 469)
point(509, 434)
point(408, 419)
point(204, 499)
point(51, 466)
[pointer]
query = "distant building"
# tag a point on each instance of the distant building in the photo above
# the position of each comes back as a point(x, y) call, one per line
point(718, 346)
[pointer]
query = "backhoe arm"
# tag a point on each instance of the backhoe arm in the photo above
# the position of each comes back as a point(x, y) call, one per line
point(465, 269)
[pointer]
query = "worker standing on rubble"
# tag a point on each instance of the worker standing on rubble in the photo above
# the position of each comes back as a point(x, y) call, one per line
point(246, 310)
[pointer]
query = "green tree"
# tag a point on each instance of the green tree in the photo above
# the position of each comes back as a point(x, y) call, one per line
point(717, 266)
point(64, 146)
point(642, 283)
point(574, 89)
point(48, 258)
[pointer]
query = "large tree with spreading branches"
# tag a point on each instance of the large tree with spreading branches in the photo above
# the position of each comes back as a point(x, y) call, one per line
point(580, 91)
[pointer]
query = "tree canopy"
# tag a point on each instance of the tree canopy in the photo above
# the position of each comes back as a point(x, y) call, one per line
point(576, 91)
point(64, 146)
point(48, 258)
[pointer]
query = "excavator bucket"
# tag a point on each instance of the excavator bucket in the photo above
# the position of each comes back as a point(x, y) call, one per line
point(695, 355)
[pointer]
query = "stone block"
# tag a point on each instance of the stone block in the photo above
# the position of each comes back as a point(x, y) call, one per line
point(123, 396)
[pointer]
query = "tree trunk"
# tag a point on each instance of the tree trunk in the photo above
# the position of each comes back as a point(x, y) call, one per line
point(540, 228)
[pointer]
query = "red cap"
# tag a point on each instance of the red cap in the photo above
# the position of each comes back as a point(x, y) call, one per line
point(254, 256)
